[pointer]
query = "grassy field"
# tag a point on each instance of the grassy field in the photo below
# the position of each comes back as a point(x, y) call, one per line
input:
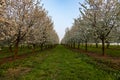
point(112, 51)
point(56, 64)
point(5, 52)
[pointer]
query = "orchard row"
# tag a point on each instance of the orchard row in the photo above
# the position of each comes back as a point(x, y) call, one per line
point(99, 23)
point(25, 22)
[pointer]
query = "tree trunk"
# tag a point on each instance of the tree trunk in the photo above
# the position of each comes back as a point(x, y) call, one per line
point(33, 48)
point(78, 45)
point(10, 48)
point(41, 46)
point(74, 45)
point(103, 46)
point(108, 44)
point(28, 46)
point(96, 45)
point(50, 46)
point(71, 45)
point(86, 45)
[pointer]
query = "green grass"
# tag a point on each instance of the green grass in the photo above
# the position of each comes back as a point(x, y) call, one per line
point(56, 64)
point(5, 52)
point(112, 51)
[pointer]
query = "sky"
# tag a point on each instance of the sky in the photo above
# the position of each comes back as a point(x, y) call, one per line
point(63, 13)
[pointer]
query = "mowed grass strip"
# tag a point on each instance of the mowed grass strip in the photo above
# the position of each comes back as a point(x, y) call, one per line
point(56, 64)
point(113, 51)
point(5, 52)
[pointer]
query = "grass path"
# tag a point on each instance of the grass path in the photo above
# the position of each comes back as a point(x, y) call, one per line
point(56, 64)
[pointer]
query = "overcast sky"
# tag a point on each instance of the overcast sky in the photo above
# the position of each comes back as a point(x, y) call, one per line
point(62, 12)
